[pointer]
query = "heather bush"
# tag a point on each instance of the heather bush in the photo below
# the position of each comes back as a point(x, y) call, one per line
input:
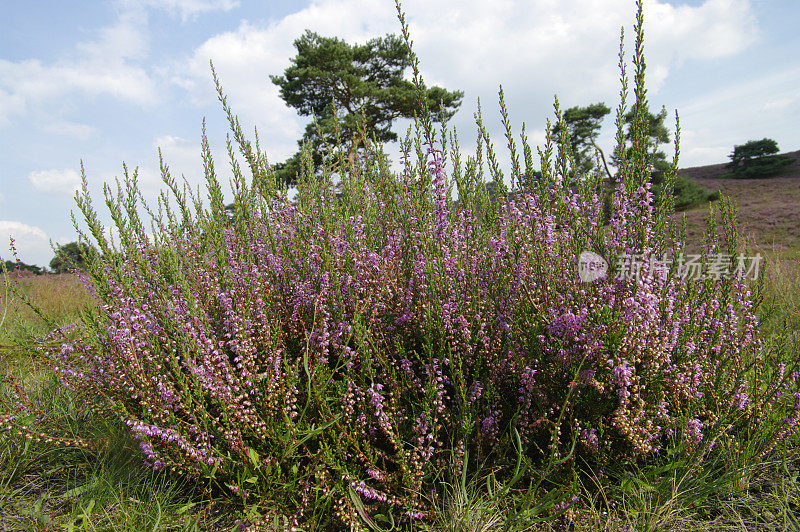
point(332, 358)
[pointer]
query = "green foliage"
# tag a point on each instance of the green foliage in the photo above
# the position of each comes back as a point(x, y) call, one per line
point(686, 193)
point(11, 266)
point(757, 158)
point(30, 307)
point(48, 481)
point(73, 256)
point(653, 133)
point(352, 91)
point(583, 126)
point(753, 149)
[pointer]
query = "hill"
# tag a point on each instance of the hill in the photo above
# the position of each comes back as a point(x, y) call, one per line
point(769, 208)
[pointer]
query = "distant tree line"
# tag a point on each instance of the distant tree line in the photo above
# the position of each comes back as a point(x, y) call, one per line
point(11, 266)
point(69, 257)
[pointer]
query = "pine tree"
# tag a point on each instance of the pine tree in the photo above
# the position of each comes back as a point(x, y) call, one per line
point(354, 89)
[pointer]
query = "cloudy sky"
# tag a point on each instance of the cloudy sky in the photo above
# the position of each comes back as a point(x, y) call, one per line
point(109, 81)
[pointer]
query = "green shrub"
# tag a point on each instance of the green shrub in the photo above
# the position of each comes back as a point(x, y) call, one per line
point(688, 194)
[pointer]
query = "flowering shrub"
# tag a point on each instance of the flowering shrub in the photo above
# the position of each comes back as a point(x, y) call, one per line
point(327, 357)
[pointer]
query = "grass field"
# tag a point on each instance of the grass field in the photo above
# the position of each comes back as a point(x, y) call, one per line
point(94, 479)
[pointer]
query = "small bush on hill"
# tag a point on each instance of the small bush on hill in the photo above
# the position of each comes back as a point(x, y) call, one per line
point(688, 194)
point(757, 158)
point(685, 192)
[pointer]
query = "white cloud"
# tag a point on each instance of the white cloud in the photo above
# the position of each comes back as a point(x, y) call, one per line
point(705, 150)
point(716, 28)
point(107, 65)
point(56, 181)
point(534, 49)
point(125, 39)
point(751, 109)
point(763, 92)
point(10, 102)
point(780, 104)
point(243, 60)
point(69, 129)
point(183, 157)
point(32, 244)
point(187, 9)
point(172, 145)
point(32, 82)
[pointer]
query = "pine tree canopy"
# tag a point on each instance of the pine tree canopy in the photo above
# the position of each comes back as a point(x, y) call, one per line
point(350, 84)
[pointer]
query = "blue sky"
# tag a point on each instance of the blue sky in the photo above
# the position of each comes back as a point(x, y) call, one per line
point(110, 81)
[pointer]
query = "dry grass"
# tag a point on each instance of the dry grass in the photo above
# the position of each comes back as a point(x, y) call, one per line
point(779, 313)
point(769, 221)
point(60, 297)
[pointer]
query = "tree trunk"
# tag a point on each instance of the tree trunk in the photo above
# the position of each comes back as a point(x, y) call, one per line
point(351, 156)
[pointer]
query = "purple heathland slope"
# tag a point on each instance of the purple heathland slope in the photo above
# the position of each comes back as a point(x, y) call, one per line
point(769, 208)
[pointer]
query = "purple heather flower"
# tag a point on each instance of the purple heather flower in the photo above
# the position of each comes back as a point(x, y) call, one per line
point(590, 440)
point(694, 430)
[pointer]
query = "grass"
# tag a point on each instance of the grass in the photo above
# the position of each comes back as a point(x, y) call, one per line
point(94, 489)
point(46, 487)
point(61, 299)
point(780, 309)
point(53, 487)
